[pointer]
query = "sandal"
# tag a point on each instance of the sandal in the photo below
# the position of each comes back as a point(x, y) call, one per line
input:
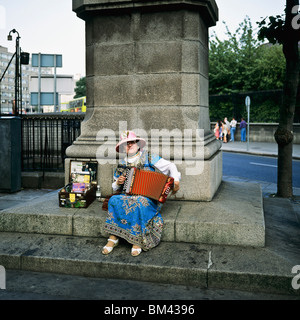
point(110, 249)
point(137, 250)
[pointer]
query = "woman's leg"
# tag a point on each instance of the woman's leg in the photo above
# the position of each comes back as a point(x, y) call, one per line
point(135, 250)
point(110, 244)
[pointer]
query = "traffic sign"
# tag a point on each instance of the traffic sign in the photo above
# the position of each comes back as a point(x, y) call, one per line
point(247, 102)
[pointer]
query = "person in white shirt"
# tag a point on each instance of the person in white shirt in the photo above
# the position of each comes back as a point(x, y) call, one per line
point(136, 219)
point(226, 130)
point(233, 123)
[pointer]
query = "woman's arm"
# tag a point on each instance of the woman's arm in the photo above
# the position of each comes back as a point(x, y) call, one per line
point(169, 169)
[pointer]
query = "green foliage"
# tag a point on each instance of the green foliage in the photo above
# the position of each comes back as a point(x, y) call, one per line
point(220, 110)
point(264, 106)
point(269, 69)
point(242, 63)
point(273, 31)
point(80, 88)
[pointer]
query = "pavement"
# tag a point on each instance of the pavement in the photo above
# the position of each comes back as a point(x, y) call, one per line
point(258, 148)
point(42, 266)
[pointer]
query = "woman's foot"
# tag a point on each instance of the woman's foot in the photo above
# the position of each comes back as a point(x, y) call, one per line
point(111, 243)
point(136, 250)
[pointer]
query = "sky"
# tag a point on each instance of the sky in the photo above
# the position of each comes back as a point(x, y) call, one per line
point(51, 27)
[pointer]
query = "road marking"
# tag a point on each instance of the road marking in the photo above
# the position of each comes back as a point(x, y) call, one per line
point(263, 164)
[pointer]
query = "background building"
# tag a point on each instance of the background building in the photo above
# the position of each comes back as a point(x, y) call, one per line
point(65, 85)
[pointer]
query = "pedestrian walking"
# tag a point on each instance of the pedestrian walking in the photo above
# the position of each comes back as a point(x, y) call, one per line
point(243, 126)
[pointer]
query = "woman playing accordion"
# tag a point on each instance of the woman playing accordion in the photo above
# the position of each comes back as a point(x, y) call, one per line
point(136, 218)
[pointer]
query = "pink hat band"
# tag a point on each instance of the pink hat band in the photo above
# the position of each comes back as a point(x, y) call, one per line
point(127, 136)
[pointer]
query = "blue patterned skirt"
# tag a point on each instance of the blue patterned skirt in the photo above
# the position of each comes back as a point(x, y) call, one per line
point(136, 219)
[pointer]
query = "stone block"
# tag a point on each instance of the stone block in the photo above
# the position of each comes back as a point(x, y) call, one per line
point(158, 57)
point(161, 26)
point(200, 185)
point(113, 59)
point(110, 29)
point(234, 217)
point(190, 62)
point(107, 117)
point(40, 217)
point(32, 180)
point(90, 223)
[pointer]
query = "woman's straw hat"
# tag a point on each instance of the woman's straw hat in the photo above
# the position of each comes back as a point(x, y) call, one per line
point(130, 136)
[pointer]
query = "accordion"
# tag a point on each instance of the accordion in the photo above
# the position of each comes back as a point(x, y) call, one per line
point(153, 185)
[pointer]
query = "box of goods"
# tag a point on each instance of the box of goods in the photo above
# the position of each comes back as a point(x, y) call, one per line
point(80, 192)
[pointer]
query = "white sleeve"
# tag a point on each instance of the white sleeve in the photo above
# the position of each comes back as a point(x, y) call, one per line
point(168, 168)
point(115, 186)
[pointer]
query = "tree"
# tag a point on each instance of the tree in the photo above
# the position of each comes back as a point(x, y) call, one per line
point(287, 33)
point(244, 63)
point(80, 88)
point(231, 60)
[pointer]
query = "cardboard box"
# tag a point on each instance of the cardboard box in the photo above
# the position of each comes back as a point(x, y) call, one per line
point(80, 192)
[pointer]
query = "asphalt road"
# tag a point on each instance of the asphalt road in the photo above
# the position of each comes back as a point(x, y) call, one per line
point(256, 168)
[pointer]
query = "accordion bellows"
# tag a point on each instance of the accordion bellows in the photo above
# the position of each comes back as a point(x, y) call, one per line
point(154, 185)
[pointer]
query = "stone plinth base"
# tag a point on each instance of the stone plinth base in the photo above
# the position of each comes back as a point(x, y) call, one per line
point(235, 217)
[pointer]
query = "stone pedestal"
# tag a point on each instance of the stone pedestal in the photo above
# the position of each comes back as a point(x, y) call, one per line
point(147, 70)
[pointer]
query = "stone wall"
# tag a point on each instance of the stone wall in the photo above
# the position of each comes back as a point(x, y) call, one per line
point(264, 132)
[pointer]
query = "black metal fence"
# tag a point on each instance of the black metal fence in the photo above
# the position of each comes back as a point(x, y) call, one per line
point(264, 106)
point(45, 138)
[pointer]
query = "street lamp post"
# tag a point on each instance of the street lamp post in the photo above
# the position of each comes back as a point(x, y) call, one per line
point(18, 94)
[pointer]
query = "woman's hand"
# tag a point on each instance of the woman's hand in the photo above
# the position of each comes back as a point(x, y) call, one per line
point(176, 187)
point(121, 180)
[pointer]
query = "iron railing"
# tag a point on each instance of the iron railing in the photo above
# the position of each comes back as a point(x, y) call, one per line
point(45, 138)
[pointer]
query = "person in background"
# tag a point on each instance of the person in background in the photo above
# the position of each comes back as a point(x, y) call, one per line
point(243, 126)
point(217, 130)
point(227, 125)
point(233, 123)
point(221, 130)
point(226, 130)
